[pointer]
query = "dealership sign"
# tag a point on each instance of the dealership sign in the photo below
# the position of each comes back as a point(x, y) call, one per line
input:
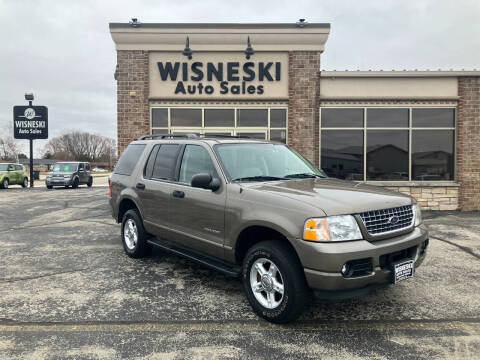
point(30, 122)
point(219, 75)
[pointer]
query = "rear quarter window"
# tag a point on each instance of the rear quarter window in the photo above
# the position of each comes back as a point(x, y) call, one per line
point(129, 159)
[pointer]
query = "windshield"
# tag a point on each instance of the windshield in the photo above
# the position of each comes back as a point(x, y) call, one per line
point(263, 162)
point(3, 167)
point(64, 167)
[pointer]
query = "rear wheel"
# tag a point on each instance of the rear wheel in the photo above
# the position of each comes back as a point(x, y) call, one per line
point(274, 282)
point(90, 181)
point(49, 187)
point(25, 182)
point(4, 184)
point(134, 236)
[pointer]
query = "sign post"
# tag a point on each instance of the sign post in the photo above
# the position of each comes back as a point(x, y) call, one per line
point(30, 122)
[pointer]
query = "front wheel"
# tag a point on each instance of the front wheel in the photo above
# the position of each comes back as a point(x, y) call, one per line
point(274, 282)
point(75, 183)
point(49, 187)
point(4, 184)
point(134, 235)
point(25, 182)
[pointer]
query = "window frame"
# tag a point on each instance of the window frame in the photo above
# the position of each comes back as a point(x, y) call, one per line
point(214, 129)
point(410, 130)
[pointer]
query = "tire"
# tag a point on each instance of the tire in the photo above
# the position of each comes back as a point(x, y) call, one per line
point(25, 182)
point(134, 236)
point(268, 301)
point(75, 183)
point(49, 187)
point(90, 181)
point(4, 184)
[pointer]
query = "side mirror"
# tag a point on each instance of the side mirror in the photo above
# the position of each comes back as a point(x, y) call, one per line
point(205, 181)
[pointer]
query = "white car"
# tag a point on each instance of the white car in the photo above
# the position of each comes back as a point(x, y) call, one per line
point(97, 169)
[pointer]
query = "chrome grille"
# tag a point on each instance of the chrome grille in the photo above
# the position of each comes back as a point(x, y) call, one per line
point(382, 221)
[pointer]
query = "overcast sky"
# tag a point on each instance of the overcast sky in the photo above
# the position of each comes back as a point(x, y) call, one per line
point(62, 50)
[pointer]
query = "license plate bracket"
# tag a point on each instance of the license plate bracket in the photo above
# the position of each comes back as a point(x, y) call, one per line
point(402, 270)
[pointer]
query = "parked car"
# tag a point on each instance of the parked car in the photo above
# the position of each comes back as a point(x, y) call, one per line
point(69, 173)
point(11, 174)
point(97, 169)
point(259, 211)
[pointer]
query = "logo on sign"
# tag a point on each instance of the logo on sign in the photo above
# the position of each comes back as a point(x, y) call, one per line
point(29, 113)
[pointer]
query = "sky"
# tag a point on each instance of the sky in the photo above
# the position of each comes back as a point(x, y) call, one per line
point(63, 53)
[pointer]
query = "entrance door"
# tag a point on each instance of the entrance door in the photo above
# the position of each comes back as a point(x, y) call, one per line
point(198, 215)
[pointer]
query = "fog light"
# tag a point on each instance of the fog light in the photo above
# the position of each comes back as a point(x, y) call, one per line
point(345, 269)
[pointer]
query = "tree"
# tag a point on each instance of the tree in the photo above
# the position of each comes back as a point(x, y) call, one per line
point(9, 148)
point(80, 146)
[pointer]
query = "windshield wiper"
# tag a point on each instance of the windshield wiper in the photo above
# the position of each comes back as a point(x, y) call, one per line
point(259, 178)
point(303, 176)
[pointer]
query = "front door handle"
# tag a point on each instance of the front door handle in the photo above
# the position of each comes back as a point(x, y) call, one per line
point(140, 186)
point(178, 194)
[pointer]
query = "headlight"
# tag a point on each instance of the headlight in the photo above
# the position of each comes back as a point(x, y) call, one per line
point(332, 228)
point(417, 213)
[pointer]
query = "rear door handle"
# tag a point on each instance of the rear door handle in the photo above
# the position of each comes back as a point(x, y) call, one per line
point(140, 186)
point(178, 194)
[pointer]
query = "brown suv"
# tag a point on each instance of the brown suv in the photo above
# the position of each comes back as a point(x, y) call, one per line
point(260, 211)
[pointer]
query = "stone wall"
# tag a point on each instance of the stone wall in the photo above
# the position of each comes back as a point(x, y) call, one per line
point(303, 102)
point(432, 197)
point(468, 142)
point(133, 114)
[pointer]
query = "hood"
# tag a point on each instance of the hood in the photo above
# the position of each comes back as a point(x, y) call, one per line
point(333, 196)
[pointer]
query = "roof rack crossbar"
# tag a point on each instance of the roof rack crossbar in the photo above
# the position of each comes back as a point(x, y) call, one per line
point(164, 136)
point(228, 136)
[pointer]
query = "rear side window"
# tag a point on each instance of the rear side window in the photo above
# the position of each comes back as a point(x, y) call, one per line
point(164, 167)
point(18, 167)
point(129, 159)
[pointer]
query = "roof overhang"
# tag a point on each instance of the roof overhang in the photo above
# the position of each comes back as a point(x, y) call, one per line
point(220, 37)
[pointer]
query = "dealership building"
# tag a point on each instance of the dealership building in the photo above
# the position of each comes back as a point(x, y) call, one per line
point(416, 132)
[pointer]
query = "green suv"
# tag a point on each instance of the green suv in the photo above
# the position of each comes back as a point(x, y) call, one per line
point(259, 211)
point(11, 174)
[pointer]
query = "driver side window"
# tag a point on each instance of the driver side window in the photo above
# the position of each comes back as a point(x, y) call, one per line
point(196, 160)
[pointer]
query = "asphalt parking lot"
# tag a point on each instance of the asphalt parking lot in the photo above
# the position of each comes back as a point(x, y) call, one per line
point(68, 291)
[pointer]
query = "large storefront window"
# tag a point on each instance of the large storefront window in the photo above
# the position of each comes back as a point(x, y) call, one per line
point(258, 123)
point(388, 144)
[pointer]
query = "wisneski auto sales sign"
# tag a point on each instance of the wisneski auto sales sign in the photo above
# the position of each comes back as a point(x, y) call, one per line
point(218, 75)
point(30, 122)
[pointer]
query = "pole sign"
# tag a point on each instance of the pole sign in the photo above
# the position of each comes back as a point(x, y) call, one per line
point(30, 122)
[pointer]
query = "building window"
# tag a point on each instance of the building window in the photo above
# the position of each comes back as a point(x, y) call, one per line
point(388, 144)
point(255, 122)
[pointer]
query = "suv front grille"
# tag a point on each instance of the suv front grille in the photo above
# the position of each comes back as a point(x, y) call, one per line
point(382, 221)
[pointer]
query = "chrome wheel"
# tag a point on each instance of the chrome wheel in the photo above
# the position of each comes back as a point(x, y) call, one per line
point(267, 283)
point(25, 182)
point(130, 234)
point(5, 183)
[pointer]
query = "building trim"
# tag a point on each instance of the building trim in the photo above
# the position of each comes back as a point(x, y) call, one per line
point(393, 73)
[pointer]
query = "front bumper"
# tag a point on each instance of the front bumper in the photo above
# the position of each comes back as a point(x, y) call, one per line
point(58, 182)
point(323, 262)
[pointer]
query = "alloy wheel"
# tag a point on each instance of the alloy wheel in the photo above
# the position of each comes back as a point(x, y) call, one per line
point(266, 283)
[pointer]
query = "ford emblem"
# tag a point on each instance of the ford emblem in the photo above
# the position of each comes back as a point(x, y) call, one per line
point(393, 220)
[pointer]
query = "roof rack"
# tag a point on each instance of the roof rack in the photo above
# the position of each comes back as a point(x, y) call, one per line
point(163, 136)
point(192, 136)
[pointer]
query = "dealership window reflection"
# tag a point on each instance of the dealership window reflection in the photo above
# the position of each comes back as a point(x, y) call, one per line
point(387, 152)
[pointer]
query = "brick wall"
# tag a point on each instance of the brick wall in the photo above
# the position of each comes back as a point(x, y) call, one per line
point(468, 142)
point(432, 197)
point(303, 102)
point(133, 117)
